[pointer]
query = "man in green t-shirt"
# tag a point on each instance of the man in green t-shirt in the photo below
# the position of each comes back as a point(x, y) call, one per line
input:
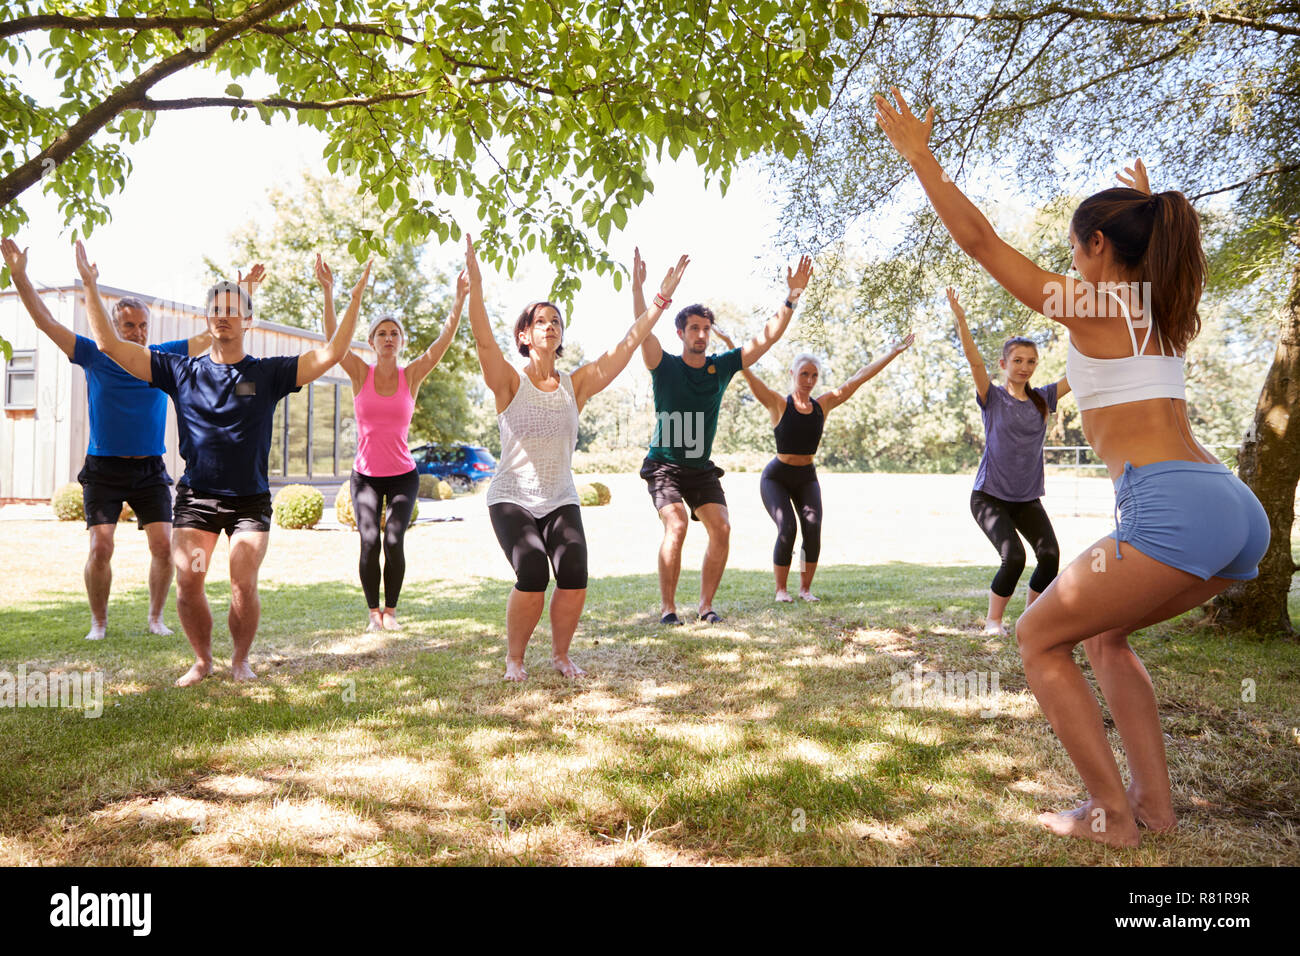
point(688, 394)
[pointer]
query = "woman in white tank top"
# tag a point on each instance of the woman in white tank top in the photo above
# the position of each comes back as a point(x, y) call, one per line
point(1190, 526)
point(532, 501)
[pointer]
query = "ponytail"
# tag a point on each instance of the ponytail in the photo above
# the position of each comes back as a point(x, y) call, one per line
point(1159, 238)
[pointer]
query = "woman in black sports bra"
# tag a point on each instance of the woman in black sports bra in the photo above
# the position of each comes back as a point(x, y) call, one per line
point(789, 486)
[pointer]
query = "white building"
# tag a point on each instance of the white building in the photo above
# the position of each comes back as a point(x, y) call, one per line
point(46, 425)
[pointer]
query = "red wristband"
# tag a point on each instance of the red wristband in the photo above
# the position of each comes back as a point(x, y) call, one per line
point(661, 302)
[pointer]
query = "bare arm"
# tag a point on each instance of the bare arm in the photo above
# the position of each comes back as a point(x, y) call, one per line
point(59, 334)
point(420, 367)
point(594, 376)
point(1058, 297)
point(842, 394)
point(135, 359)
point(797, 281)
point(352, 363)
point(978, 370)
point(769, 399)
point(1062, 388)
point(312, 365)
point(652, 352)
point(498, 374)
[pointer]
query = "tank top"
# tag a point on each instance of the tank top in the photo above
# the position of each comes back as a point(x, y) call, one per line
point(1098, 383)
point(539, 431)
point(382, 424)
point(797, 433)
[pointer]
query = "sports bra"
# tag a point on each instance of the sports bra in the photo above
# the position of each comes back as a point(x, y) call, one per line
point(1099, 382)
point(797, 433)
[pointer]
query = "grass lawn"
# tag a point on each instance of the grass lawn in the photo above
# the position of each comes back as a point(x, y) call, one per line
point(769, 739)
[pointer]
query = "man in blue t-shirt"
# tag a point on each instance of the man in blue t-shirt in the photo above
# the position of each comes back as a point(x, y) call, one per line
point(688, 393)
point(225, 403)
point(128, 421)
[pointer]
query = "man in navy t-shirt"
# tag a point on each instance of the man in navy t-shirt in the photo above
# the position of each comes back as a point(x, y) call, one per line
point(225, 403)
point(128, 421)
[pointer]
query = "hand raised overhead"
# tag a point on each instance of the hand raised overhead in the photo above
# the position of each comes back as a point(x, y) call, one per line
point(799, 278)
point(1135, 177)
point(324, 274)
point(88, 270)
point(909, 135)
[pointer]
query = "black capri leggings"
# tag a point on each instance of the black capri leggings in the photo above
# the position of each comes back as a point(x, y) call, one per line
point(368, 496)
point(531, 542)
point(791, 493)
point(1000, 520)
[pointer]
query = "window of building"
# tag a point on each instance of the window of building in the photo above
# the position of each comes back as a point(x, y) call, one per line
point(20, 380)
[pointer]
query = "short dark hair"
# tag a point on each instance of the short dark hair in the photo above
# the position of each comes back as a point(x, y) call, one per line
point(703, 311)
point(525, 321)
point(226, 286)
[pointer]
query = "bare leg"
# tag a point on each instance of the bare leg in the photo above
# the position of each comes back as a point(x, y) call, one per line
point(99, 578)
point(675, 521)
point(159, 534)
point(566, 609)
point(782, 575)
point(247, 549)
point(805, 582)
point(523, 611)
point(191, 555)
point(993, 622)
point(718, 525)
point(1095, 594)
point(1132, 702)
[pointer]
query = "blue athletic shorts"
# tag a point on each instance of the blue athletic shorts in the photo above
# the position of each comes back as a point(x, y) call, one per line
point(1192, 515)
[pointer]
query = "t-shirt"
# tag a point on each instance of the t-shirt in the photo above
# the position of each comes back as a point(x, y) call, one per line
point(127, 417)
point(687, 401)
point(224, 415)
point(1012, 465)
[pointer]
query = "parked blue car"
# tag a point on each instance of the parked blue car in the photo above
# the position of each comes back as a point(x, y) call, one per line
point(461, 466)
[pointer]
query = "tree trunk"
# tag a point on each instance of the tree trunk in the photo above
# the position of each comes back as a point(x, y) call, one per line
point(1269, 463)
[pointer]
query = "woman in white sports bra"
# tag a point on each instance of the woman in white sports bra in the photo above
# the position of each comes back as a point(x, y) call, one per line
point(532, 501)
point(1190, 527)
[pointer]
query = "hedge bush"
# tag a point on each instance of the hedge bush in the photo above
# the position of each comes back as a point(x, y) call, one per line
point(298, 506)
point(588, 496)
point(67, 503)
point(603, 491)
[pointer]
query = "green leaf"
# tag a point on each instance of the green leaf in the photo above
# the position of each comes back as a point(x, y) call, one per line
point(234, 89)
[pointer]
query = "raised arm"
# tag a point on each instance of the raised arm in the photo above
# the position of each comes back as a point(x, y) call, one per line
point(978, 370)
point(420, 367)
point(839, 396)
point(652, 352)
point(594, 376)
point(59, 334)
point(498, 374)
point(769, 399)
point(352, 363)
point(135, 359)
point(797, 281)
point(1058, 297)
point(312, 365)
point(1062, 388)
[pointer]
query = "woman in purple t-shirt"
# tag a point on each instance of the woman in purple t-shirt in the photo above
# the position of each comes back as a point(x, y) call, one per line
point(1007, 499)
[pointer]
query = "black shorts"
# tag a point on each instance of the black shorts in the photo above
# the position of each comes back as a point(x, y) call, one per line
point(143, 483)
point(218, 513)
point(669, 484)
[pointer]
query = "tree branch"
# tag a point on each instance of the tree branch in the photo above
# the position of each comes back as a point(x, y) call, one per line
point(1271, 171)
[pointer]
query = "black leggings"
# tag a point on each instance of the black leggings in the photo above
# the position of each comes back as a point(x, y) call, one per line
point(1000, 520)
point(790, 493)
point(530, 542)
point(368, 495)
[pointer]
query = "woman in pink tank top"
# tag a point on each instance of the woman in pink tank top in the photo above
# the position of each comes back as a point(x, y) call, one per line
point(384, 398)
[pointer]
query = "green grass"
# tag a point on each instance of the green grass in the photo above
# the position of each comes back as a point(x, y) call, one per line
point(768, 739)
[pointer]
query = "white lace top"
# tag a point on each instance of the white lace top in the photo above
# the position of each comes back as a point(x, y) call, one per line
point(539, 431)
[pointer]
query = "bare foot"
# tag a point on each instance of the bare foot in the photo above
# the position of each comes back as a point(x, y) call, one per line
point(376, 621)
point(567, 667)
point(97, 631)
point(515, 671)
point(390, 622)
point(808, 595)
point(200, 670)
point(783, 596)
point(994, 629)
point(241, 671)
point(156, 626)
point(1157, 820)
point(1090, 822)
